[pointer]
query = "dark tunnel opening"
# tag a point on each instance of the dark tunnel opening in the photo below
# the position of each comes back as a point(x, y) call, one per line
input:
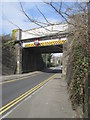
point(32, 59)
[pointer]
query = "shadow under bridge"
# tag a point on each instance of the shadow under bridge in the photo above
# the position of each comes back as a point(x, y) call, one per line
point(32, 56)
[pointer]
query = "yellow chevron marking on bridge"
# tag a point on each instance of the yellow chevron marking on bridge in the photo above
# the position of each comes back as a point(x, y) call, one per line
point(47, 43)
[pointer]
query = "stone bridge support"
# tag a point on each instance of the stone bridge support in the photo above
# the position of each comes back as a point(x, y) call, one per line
point(27, 60)
point(18, 58)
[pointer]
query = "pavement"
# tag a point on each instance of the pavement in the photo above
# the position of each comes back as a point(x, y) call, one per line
point(16, 76)
point(11, 77)
point(49, 101)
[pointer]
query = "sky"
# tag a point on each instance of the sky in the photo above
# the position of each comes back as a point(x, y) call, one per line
point(11, 13)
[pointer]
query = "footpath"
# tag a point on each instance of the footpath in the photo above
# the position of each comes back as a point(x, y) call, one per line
point(16, 76)
point(50, 101)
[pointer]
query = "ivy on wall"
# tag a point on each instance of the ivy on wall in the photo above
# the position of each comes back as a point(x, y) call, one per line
point(14, 32)
point(12, 39)
point(77, 88)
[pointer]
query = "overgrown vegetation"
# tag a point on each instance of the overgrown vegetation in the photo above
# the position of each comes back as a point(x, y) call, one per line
point(47, 59)
point(14, 34)
point(8, 55)
point(79, 74)
point(78, 87)
point(78, 50)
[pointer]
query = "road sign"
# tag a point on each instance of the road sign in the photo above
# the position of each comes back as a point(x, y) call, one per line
point(36, 42)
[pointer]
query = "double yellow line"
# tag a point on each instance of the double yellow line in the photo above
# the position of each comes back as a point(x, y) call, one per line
point(23, 96)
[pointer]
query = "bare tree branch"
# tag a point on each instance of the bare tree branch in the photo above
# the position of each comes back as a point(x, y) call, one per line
point(57, 10)
point(37, 22)
point(11, 22)
point(44, 16)
point(60, 6)
point(34, 21)
point(20, 27)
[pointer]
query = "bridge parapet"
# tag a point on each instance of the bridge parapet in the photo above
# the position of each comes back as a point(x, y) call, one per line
point(56, 29)
point(45, 31)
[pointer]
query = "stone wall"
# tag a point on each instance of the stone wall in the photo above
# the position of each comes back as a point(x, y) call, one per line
point(8, 56)
point(65, 60)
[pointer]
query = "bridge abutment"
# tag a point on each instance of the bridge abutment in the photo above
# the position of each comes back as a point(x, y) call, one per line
point(18, 58)
point(27, 60)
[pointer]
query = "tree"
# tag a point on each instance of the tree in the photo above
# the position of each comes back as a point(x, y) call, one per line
point(67, 13)
point(47, 59)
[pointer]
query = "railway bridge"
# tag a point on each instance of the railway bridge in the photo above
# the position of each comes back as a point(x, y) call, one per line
point(31, 44)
